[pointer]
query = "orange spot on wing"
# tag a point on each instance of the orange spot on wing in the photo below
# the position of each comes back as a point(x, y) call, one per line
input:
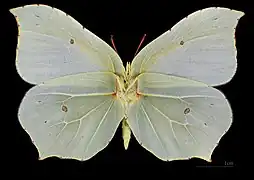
point(137, 93)
point(115, 93)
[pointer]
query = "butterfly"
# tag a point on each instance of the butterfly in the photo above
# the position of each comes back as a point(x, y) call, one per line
point(165, 97)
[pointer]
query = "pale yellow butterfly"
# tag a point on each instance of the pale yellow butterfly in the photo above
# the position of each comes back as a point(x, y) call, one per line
point(164, 97)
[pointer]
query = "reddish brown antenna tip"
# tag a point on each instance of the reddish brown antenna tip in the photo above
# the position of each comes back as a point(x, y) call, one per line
point(142, 40)
point(112, 41)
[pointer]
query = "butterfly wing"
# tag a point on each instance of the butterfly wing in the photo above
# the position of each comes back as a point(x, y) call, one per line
point(177, 118)
point(200, 47)
point(73, 116)
point(52, 44)
point(72, 111)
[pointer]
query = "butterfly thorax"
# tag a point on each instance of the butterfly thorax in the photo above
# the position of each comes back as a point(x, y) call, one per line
point(126, 88)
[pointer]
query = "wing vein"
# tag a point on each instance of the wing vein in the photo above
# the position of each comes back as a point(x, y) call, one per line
point(103, 118)
point(75, 95)
point(178, 97)
point(79, 125)
point(89, 112)
point(190, 134)
point(156, 134)
point(170, 122)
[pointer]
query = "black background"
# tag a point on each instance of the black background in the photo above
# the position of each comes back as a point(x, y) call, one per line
point(127, 21)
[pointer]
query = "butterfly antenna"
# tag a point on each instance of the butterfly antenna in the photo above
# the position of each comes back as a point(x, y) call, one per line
point(112, 41)
point(142, 40)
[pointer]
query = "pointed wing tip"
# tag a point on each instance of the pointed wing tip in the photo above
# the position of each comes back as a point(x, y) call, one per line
point(208, 159)
point(240, 13)
point(13, 10)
